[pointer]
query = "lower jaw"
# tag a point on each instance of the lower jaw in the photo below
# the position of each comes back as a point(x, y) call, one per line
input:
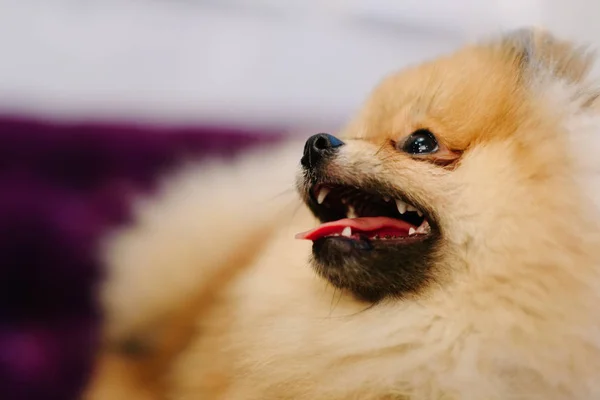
point(374, 269)
point(386, 240)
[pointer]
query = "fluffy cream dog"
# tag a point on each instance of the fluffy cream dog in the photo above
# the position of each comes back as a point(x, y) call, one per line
point(456, 253)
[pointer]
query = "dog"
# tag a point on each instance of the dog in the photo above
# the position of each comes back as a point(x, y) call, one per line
point(444, 245)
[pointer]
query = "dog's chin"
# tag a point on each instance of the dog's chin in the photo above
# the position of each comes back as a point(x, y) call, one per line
point(373, 269)
point(372, 245)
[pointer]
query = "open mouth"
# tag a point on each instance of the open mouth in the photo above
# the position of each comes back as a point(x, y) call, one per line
point(354, 213)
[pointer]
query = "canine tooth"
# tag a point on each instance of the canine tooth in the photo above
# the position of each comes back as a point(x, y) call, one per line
point(351, 212)
point(401, 206)
point(347, 231)
point(323, 192)
point(421, 229)
point(411, 231)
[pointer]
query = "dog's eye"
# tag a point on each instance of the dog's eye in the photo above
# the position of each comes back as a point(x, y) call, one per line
point(420, 142)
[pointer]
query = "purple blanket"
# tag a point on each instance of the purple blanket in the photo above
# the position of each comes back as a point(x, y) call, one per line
point(62, 186)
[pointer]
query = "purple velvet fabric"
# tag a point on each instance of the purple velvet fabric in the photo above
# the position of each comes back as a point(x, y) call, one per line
point(62, 187)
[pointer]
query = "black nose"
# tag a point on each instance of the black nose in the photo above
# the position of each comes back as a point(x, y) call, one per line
point(318, 147)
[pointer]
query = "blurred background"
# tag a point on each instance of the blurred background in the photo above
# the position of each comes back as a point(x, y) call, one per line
point(98, 98)
point(294, 63)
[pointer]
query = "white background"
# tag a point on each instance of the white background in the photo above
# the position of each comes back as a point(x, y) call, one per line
point(293, 63)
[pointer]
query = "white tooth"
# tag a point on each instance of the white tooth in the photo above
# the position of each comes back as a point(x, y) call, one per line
point(351, 212)
point(411, 231)
point(323, 192)
point(386, 199)
point(347, 231)
point(410, 208)
point(424, 228)
point(419, 213)
point(401, 206)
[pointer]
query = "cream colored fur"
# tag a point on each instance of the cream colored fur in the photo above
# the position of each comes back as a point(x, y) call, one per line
point(513, 314)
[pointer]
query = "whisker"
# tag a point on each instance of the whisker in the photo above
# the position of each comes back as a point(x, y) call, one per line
point(284, 192)
point(383, 145)
point(339, 299)
point(367, 308)
point(295, 212)
point(331, 306)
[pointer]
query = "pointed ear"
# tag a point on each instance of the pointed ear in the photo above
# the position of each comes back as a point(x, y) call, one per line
point(538, 53)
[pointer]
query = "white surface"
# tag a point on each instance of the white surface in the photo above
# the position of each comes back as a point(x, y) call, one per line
point(296, 63)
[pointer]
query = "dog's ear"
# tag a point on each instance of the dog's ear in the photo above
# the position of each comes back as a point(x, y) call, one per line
point(538, 53)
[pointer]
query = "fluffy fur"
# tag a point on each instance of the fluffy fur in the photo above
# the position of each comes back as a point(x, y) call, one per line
point(210, 297)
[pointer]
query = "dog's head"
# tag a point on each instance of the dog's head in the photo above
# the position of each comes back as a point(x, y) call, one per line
point(448, 165)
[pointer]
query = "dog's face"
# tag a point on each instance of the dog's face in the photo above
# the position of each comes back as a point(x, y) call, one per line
point(447, 162)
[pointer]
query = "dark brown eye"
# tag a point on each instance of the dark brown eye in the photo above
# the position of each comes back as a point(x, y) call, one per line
point(420, 142)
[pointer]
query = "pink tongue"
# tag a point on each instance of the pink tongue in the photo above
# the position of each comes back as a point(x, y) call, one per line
point(371, 225)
